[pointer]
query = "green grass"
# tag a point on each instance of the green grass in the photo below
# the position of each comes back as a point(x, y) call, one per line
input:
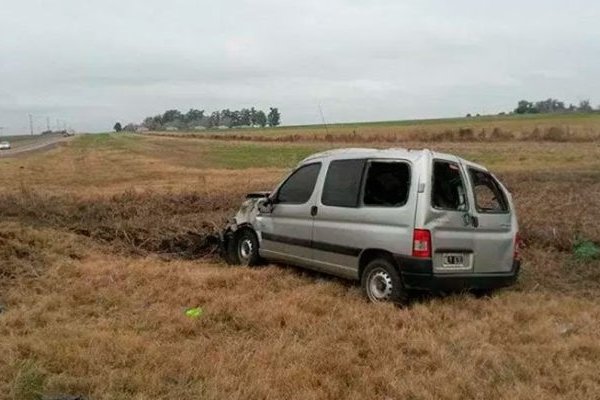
point(28, 384)
point(19, 138)
point(200, 153)
point(586, 250)
point(104, 141)
point(249, 155)
point(26, 138)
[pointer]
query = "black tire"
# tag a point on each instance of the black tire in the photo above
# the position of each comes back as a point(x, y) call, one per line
point(242, 248)
point(381, 282)
point(483, 293)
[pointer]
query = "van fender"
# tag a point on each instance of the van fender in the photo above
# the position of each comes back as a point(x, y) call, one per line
point(244, 218)
point(404, 264)
point(367, 255)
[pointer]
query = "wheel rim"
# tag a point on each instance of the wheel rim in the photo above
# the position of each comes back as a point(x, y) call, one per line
point(245, 249)
point(379, 285)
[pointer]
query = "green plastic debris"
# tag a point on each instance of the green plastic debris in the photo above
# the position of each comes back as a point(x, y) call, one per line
point(586, 250)
point(195, 312)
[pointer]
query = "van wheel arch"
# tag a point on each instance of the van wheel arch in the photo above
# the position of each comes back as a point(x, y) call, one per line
point(381, 280)
point(368, 255)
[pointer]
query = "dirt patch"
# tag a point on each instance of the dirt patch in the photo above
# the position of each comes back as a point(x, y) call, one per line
point(177, 225)
point(21, 254)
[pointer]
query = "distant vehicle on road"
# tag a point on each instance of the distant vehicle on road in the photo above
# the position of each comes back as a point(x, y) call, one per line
point(4, 145)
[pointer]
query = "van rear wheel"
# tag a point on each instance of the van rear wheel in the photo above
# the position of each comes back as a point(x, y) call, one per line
point(381, 282)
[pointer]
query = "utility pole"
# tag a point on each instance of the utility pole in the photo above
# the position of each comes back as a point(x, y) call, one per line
point(31, 124)
point(48, 124)
point(323, 119)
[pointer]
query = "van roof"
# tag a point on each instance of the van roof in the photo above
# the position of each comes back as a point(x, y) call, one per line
point(395, 152)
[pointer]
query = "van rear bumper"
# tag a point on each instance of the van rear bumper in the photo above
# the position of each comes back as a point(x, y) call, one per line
point(421, 277)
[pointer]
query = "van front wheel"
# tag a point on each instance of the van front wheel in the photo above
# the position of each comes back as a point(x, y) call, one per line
point(381, 282)
point(243, 248)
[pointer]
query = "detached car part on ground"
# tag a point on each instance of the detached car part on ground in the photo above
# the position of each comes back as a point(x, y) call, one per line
point(397, 220)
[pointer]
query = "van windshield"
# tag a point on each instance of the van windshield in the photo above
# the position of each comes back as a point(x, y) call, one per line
point(448, 187)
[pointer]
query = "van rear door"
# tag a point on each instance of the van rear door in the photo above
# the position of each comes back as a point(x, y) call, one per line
point(496, 224)
point(448, 219)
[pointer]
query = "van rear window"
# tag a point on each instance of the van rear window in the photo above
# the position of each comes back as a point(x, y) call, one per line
point(387, 184)
point(489, 198)
point(448, 191)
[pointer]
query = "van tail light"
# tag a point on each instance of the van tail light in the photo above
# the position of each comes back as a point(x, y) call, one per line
point(421, 243)
point(517, 250)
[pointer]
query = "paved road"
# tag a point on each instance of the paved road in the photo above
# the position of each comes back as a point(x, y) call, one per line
point(29, 144)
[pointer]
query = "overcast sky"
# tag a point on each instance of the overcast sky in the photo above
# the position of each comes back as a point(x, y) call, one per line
point(93, 62)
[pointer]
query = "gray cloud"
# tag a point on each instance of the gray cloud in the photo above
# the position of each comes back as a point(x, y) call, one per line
point(96, 62)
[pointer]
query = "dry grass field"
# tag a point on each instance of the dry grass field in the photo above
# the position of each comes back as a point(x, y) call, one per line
point(583, 127)
point(104, 243)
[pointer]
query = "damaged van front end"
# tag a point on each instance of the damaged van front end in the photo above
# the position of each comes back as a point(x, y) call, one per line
point(244, 218)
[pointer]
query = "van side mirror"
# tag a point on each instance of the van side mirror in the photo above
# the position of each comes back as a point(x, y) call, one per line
point(267, 205)
point(272, 199)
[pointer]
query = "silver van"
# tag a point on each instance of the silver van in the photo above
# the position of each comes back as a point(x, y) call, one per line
point(397, 220)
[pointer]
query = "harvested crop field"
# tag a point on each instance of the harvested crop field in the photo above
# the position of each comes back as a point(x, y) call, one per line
point(106, 240)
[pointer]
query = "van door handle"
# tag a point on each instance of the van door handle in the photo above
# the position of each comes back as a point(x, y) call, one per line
point(314, 210)
point(471, 220)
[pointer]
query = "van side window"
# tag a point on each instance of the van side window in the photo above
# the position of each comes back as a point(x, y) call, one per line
point(299, 186)
point(342, 183)
point(387, 184)
point(489, 198)
point(448, 191)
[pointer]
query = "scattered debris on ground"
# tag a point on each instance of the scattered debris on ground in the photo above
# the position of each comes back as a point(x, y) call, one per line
point(194, 312)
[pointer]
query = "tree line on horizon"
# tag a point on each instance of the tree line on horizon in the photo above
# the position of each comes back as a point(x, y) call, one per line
point(551, 105)
point(197, 119)
point(548, 106)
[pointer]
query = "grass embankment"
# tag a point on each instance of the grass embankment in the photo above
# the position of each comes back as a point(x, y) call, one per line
point(92, 306)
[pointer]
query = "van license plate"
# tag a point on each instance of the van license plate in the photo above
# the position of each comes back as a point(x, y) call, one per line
point(453, 260)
